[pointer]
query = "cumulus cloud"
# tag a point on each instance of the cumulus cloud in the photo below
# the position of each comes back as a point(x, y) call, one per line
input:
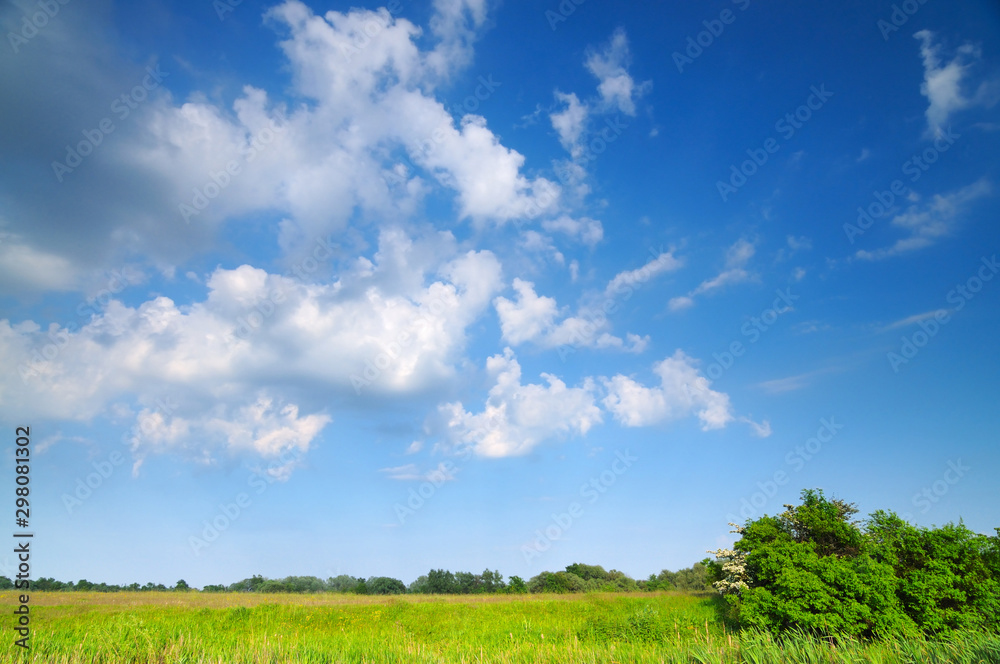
point(158, 185)
point(928, 222)
point(396, 324)
point(516, 418)
point(535, 318)
point(683, 391)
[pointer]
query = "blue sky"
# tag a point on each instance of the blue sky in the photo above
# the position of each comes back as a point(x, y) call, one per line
point(307, 288)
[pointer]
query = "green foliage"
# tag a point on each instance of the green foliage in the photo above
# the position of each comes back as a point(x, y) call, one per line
point(556, 582)
point(517, 585)
point(812, 568)
point(342, 584)
point(182, 585)
point(383, 585)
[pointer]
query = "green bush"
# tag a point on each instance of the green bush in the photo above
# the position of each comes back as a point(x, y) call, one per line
point(813, 568)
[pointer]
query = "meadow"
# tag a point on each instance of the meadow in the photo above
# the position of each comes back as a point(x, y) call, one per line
point(258, 628)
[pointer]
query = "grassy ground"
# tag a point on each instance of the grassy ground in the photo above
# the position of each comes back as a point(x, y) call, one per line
point(193, 628)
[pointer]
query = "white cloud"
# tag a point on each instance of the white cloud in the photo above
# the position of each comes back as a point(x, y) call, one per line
point(943, 83)
point(759, 429)
point(928, 222)
point(609, 65)
point(914, 319)
point(735, 272)
point(402, 311)
point(444, 472)
point(341, 155)
point(530, 317)
point(617, 92)
point(570, 123)
point(266, 426)
point(665, 261)
point(533, 318)
point(683, 391)
point(516, 418)
point(586, 230)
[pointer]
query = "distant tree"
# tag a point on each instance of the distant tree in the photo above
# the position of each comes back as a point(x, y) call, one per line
point(5, 583)
point(250, 585)
point(517, 585)
point(304, 584)
point(587, 572)
point(492, 582)
point(693, 578)
point(212, 588)
point(467, 583)
point(383, 585)
point(556, 582)
point(441, 582)
point(182, 585)
point(342, 583)
point(419, 586)
point(273, 586)
point(361, 588)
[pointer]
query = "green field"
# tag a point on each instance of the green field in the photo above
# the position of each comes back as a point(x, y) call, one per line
point(261, 628)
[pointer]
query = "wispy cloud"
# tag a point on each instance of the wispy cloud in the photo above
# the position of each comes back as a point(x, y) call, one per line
point(913, 320)
point(735, 272)
point(928, 222)
point(444, 472)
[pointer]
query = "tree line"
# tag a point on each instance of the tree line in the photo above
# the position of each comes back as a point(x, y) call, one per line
point(575, 578)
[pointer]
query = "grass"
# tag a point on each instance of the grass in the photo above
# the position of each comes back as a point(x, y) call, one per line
point(194, 628)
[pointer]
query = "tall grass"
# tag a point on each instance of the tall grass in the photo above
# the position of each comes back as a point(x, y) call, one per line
point(191, 628)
